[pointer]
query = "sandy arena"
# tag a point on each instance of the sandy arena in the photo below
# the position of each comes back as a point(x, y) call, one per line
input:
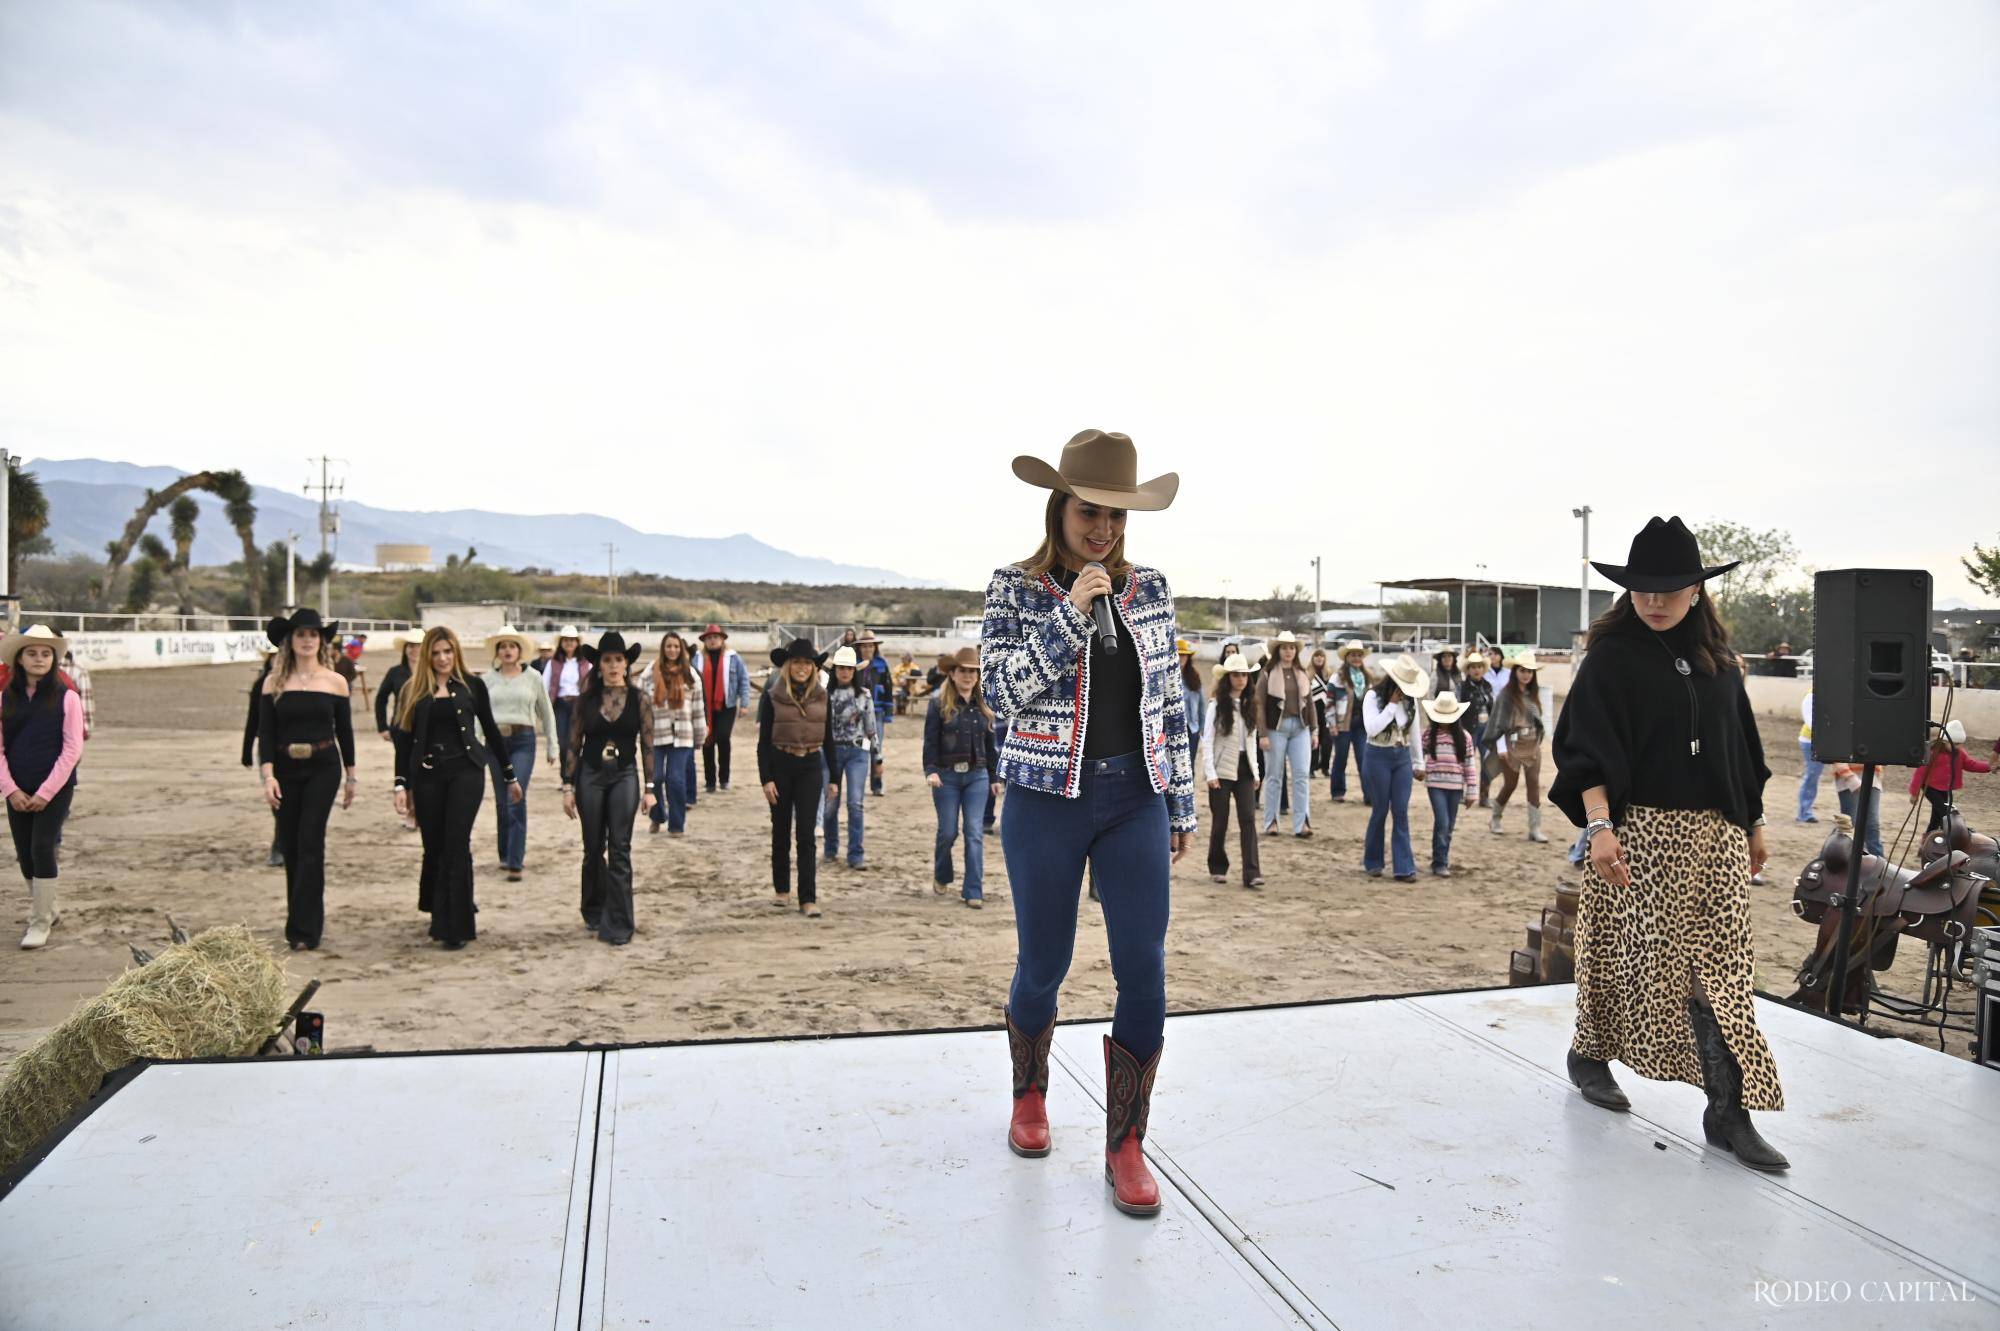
point(167, 820)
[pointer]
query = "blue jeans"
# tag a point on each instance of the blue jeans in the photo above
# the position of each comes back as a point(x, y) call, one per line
point(673, 785)
point(1809, 782)
point(510, 820)
point(850, 773)
point(1386, 779)
point(963, 796)
point(1354, 739)
point(882, 720)
point(1336, 763)
point(1291, 742)
point(1444, 818)
point(1872, 843)
point(1118, 824)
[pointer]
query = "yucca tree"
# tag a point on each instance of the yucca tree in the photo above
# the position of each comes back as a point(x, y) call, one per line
point(231, 489)
point(181, 518)
point(27, 518)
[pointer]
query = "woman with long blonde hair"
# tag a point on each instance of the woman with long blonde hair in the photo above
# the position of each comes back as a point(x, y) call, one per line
point(680, 728)
point(962, 763)
point(441, 761)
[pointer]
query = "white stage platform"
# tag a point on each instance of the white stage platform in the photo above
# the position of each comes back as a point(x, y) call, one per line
point(1392, 1163)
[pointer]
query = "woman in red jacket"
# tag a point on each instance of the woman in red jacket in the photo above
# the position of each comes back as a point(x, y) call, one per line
point(1944, 772)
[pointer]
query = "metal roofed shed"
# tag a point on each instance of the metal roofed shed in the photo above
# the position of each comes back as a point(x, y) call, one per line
point(1519, 614)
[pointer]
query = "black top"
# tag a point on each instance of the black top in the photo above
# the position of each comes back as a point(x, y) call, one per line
point(590, 732)
point(1112, 726)
point(303, 716)
point(390, 695)
point(1628, 726)
point(444, 728)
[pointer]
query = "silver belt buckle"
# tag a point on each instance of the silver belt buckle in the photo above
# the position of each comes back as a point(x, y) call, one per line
point(961, 767)
point(299, 751)
point(610, 753)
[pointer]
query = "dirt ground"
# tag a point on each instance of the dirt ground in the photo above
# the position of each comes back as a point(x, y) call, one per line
point(167, 820)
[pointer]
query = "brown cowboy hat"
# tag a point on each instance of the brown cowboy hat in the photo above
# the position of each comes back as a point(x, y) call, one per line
point(965, 658)
point(1102, 468)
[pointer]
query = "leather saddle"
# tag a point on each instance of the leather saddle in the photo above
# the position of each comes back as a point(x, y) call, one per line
point(1936, 903)
point(1955, 835)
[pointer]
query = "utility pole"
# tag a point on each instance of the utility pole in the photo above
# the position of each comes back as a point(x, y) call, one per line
point(1315, 601)
point(329, 521)
point(611, 575)
point(1225, 605)
point(291, 570)
point(1583, 606)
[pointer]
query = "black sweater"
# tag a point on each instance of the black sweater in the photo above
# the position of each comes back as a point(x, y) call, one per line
point(388, 698)
point(1627, 726)
point(304, 716)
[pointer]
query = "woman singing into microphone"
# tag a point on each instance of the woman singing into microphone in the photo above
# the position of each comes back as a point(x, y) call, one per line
point(1097, 754)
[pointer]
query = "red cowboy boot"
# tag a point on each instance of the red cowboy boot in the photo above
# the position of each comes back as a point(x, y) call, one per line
point(1028, 1133)
point(1128, 1099)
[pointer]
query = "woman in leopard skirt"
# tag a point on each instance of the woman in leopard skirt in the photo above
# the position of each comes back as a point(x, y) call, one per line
point(1660, 763)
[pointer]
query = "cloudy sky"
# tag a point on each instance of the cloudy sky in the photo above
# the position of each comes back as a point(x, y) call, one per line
point(1395, 283)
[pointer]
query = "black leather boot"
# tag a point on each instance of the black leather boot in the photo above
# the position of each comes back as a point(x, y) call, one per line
point(1593, 1077)
point(1726, 1123)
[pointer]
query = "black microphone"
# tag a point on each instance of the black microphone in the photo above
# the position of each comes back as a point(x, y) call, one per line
point(1100, 610)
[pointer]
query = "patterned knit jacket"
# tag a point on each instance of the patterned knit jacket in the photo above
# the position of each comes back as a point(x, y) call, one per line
point(1034, 654)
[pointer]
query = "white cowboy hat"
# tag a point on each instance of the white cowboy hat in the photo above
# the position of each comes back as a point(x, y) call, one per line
point(1234, 665)
point(569, 631)
point(1409, 676)
point(1525, 660)
point(1444, 709)
point(1284, 637)
point(515, 636)
point(265, 647)
point(414, 637)
point(843, 656)
point(41, 635)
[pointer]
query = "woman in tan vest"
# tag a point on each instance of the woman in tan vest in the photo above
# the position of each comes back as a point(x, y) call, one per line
point(794, 755)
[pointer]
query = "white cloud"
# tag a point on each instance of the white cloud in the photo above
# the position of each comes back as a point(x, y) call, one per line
point(684, 299)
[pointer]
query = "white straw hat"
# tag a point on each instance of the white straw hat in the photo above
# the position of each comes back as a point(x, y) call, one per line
point(41, 635)
point(1444, 709)
point(1410, 677)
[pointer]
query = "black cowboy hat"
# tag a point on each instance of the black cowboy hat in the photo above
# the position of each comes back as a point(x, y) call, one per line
point(798, 647)
point(281, 628)
point(1665, 558)
point(612, 643)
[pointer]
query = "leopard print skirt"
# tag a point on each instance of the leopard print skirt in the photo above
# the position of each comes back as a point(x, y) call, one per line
point(1638, 950)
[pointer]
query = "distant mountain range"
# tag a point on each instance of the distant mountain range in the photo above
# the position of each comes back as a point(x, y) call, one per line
point(90, 502)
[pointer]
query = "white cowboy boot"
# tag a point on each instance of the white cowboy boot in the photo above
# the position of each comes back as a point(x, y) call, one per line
point(1535, 832)
point(42, 914)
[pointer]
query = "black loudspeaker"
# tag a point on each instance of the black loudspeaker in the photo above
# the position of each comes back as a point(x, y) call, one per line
point(1871, 665)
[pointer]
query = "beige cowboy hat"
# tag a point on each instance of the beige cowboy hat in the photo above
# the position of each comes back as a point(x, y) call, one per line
point(1409, 676)
point(569, 631)
point(413, 637)
point(1352, 645)
point(1523, 660)
point(265, 647)
point(515, 636)
point(1444, 709)
point(1102, 468)
point(1233, 664)
point(867, 635)
point(41, 635)
point(1285, 637)
point(843, 656)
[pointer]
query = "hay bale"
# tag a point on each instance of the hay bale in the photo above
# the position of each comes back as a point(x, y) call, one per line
point(218, 994)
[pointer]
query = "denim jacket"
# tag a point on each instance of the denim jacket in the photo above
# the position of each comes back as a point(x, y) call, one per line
point(1036, 665)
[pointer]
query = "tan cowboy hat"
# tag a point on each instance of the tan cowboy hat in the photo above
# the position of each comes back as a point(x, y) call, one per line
point(1353, 645)
point(1102, 468)
point(867, 635)
point(1525, 660)
point(515, 636)
point(1444, 709)
point(1409, 676)
point(41, 635)
point(843, 656)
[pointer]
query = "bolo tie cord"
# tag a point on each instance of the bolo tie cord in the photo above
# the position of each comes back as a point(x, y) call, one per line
point(1694, 704)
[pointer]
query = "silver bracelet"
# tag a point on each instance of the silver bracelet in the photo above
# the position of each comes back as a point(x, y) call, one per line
point(1594, 826)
